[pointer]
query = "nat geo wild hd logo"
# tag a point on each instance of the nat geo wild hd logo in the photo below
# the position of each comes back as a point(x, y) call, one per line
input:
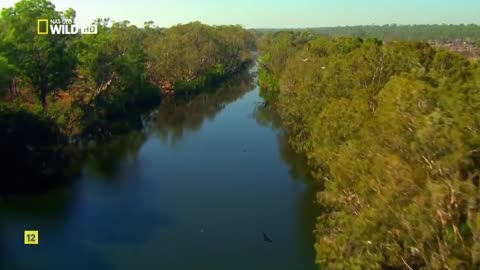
point(63, 27)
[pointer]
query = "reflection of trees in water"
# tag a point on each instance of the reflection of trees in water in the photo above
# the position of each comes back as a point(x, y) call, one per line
point(298, 169)
point(297, 163)
point(54, 203)
point(266, 115)
point(175, 118)
point(307, 208)
point(104, 159)
point(170, 122)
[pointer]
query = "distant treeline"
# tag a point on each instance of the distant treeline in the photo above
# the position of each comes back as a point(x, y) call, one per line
point(392, 130)
point(437, 32)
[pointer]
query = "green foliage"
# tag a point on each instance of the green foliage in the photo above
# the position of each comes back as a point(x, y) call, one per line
point(277, 48)
point(122, 65)
point(205, 53)
point(113, 66)
point(393, 132)
point(90, 80)
point(44, 61)
point(5, 73)
point(95, 85)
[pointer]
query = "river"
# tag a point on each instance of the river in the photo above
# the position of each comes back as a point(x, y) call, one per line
point(196, 188)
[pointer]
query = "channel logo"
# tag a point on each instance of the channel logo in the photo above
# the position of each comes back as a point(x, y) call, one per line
point(42, 27)
point(63, 27)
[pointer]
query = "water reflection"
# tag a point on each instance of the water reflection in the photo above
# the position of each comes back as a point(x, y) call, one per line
point(266, 115)
point(104, 160)
point(297, 163)
point(170, 122)
point(308, 209)
point(175, 118)
point(54, 204)
point(88, 214)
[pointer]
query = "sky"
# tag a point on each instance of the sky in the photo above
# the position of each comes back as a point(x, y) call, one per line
point(274, 13)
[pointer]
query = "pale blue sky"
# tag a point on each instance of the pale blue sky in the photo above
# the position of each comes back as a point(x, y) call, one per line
point(275, 13)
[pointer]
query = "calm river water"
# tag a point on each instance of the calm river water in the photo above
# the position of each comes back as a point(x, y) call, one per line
point(195, 189)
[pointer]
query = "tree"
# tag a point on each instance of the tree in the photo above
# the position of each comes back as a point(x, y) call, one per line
point(206, 53)
point(6, 77)
point(3, 73)
point(43, 60)
point(392, 131)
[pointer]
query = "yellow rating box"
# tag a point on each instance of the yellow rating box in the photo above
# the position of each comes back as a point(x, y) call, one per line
point(30, 238)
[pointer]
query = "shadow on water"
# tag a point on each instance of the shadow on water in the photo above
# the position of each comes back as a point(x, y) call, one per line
point(172, 120)
point(176, 118)
point(104, 160)
point(307, 208)
point(31, 163)
point(109, 162)
point(53, 204)
point(46, 213)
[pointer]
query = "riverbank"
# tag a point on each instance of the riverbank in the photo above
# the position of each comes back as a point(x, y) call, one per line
point(391, 130)
point(92, 87)
point(54, 155)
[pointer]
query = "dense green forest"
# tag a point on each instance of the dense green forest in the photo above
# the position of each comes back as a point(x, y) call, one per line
point(392, 130)
point(76, 86)
point(439, 32)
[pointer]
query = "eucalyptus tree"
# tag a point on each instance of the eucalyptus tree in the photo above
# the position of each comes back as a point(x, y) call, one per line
point(44, 61)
